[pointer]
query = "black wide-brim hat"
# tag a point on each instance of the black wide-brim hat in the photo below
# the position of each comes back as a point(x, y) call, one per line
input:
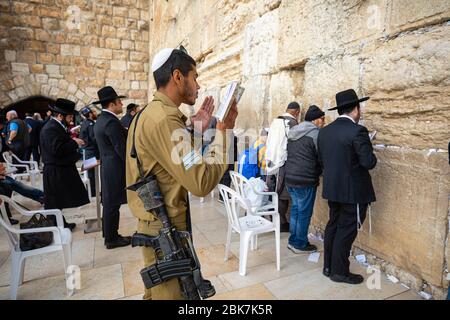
point(63, 106)
point(107, 94)
point(346, 99)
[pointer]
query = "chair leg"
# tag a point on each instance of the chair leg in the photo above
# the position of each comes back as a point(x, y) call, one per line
point(228, 243)
point(254, 243)
point(16, 270)
point(243, 252)
point(67, 251)
point(277, 245)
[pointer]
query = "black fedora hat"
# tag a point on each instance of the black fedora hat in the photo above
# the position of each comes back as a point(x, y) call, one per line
point(347, 98)
point(63, 106)
point(107, 94)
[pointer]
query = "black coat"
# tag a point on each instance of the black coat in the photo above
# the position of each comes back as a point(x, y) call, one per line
point(36, 127)
point(346, 156)
point(111, 141)
point(63, 187)
point(87, 134)
point(126, 120)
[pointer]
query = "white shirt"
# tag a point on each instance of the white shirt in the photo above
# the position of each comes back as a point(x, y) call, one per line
point(65, 128)
point(346, 116)
point(106, 110)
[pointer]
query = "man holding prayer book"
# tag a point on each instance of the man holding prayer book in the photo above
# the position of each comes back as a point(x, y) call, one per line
point(179, 167)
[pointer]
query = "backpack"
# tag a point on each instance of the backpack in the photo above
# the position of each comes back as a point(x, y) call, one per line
point(248, 163)
point(276, 145)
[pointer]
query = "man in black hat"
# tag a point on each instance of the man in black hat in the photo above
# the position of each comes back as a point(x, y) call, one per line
point(111, 140)
point(132, 109)
point(63, 187)
point(346, 156)
point(302, 177)
point(90, 147)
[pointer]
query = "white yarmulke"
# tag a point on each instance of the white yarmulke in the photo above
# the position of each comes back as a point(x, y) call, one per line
point(160, 58)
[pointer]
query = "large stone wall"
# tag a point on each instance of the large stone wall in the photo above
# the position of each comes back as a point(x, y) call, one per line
point(70, 49)
point(396, 51)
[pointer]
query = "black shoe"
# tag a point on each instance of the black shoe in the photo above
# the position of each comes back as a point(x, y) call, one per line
point(309, 248)
point(119, 242)
point(13, 221)
point(326, 272)
point(284, 227)
point(70, 226)
point(350, 279)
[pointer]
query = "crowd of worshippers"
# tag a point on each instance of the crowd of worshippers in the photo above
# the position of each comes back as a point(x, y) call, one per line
point(56, 144)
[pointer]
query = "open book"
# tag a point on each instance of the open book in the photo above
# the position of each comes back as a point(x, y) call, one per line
point(233, 92)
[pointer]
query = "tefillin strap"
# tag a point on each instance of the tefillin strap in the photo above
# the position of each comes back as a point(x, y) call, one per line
point(133, 152)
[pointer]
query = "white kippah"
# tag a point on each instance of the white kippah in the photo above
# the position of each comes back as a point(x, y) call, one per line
point(160, 58)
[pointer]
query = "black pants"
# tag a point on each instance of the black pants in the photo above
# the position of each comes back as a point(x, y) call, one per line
point(111, 215)
point(18, 149)
point(283, 197)
point(32, 150)
point(340, 232)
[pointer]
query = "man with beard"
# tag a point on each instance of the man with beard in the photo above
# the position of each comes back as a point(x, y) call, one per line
point(63, 187)
point(178, 167)
point(111, 140)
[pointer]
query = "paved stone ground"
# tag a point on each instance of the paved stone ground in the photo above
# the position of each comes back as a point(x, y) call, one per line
point(114, 274)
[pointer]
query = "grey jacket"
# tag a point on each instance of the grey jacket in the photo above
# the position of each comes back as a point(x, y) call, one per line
point(302, 165)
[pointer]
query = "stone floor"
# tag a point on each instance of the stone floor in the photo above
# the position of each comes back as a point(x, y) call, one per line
point(114, 274)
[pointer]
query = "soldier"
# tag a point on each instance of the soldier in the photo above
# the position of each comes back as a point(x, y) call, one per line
point(90, 147)
point(178, 170)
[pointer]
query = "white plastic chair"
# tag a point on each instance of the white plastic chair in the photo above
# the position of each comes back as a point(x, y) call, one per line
point(247, 226)
point(31, 167)
point(240, 183)
point(62, 240)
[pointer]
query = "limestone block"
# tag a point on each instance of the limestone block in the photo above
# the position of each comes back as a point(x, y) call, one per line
point(138, 56)
point(123, 33)
point(119, 22)
point(45, 58)
point(407, 79)
point(101, 53)
point(260, 45)
point(22, 33)
point(133, 13)
point(37, 68)
point(10, 55)
point(108, 31)
point(53, 48)
point(135, 66)
point(406, 15)
point(75, 39)
point(52, 69)
point(112, 43)
point(50, 24)
point(5, 6)
point(26, 57)
point(53, 82)
point(126, 44)
point(120, 11)
point(63, 84)
point(42, 35)
point(30, 21)
point(19, 81)
point(70, 50)
point(23, 7)
point(325, 76)
point(21, 68)
point(137, 94)
point(34, 45)
point(118, 65)
point(135, 85)
point(285, 87)
point(120, 54)
point(311, 27)
point(51, 12)
point(254, 103)
point(113, 74)
point(141, 76)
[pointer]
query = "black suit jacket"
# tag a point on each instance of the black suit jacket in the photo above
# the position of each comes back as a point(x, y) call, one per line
point(126, 120)
point(111, 141)
point(346, 156)
point(36, 127)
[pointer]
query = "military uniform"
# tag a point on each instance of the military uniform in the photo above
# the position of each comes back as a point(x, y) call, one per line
point(177, 169)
